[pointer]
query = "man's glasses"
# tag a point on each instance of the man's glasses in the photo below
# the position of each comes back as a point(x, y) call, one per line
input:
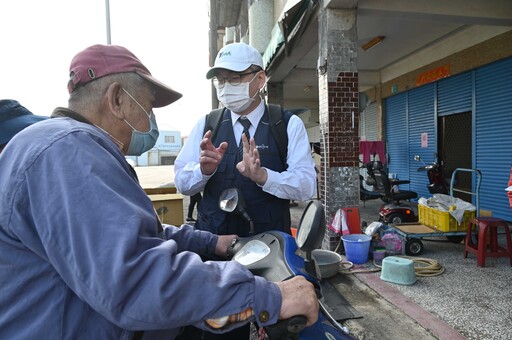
point(234, 80)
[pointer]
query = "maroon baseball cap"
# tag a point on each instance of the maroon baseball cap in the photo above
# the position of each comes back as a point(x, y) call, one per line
point(101, 60)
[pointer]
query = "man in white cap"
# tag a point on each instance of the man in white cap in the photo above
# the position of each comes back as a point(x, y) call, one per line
point(266, 178)
point(80, 252)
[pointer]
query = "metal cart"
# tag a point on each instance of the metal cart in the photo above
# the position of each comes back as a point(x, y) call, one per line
point(411, 234)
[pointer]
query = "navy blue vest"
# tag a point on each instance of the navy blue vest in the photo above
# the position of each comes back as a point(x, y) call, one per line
point(267, 211)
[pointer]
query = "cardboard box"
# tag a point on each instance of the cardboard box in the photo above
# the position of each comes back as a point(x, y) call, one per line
point(169, 208)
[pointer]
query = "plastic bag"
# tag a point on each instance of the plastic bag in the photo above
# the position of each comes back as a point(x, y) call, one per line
point(373, 228)
point(339, 224)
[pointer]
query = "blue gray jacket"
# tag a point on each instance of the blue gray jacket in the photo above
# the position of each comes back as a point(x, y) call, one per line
point(79, 252)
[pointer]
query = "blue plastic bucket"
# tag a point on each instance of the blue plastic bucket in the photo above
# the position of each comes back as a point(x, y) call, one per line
point(357, 247)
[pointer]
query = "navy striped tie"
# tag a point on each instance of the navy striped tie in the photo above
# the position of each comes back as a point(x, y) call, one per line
point(247, 124)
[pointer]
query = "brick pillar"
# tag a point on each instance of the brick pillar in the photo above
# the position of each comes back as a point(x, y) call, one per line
point(338, 113)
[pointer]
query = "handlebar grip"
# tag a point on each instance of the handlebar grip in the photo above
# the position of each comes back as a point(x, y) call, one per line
point(288, 329)
point(233, 248)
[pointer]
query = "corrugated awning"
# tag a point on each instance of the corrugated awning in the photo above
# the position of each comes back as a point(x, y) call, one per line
point(286, 27)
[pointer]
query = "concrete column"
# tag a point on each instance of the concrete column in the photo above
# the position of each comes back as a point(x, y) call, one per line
point(338, 113)
point(261, 22)
point(229, 36)
point(275, 93)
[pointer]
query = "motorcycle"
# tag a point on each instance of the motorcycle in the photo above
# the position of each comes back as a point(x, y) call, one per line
point(274, 256)
point(437, 182)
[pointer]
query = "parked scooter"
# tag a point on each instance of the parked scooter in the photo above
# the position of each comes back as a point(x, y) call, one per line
point(273, 255)
point(437, 182)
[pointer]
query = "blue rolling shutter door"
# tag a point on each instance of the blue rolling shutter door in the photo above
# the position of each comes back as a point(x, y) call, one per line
point(422, 120)
point(454, 95)
point(493, 135)
point(396, 135)
point(408, 115)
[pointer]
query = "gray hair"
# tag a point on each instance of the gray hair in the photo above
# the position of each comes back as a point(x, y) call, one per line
point(87, 98)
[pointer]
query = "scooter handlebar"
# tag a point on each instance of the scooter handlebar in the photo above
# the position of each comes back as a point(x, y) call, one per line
point(288, 329)
point(426, 167)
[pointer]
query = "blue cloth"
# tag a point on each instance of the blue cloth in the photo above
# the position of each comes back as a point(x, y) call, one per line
point(14, 118)
point(79, 252)
point(267, 211)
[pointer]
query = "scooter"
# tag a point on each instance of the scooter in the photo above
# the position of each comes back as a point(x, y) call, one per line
point(437, 183)
point(274, 256)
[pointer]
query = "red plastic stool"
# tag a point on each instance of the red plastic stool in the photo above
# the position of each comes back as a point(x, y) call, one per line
point(481, 249)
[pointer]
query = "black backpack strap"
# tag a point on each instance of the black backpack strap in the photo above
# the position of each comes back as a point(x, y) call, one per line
point(212, 122)
point(278, 122)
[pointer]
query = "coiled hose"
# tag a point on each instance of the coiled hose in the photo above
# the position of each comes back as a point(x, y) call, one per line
point(422, 266)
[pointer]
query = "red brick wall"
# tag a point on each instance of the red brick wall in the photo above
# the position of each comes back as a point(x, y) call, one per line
point(343, 123)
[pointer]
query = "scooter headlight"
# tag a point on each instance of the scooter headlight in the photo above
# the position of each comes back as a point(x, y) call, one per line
point(252, 252)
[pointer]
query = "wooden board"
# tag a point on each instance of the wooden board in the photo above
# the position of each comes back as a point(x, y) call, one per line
point(416, 228)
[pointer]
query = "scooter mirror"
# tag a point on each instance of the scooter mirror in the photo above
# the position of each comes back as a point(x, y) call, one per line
point(417, 158)
point(232, 201)
point(228, 200)
point(311, 229)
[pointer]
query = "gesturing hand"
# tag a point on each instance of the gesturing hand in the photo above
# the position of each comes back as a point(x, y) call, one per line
point(250, 165)
point(210, 156)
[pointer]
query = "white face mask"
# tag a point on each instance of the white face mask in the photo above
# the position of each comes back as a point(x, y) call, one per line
point(236, 98)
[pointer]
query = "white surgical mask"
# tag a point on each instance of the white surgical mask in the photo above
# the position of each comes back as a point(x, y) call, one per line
point(236, 98)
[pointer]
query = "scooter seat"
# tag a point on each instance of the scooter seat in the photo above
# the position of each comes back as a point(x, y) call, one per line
point(403, 195)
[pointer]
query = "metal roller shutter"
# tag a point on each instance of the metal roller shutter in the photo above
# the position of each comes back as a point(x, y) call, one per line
point(454, 94)
point(368, 125)
point(422, 120)
point(493, 135)
point(397, 135)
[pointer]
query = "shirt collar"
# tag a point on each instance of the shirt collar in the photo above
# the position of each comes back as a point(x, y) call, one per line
point(254, 116)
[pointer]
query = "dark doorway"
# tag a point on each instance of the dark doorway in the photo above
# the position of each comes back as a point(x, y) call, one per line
point(167, 160)
point(455, 140)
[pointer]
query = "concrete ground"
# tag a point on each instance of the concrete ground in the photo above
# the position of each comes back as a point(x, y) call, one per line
point(465, 302)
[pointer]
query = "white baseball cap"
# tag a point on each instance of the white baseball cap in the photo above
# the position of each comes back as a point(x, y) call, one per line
point(236, 57)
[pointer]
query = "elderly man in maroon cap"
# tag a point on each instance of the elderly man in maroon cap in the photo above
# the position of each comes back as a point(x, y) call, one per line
point(80, 252)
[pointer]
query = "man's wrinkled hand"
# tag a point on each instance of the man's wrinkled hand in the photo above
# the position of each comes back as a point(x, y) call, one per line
point(250, 166)
point(210, 156)
point(298, 298)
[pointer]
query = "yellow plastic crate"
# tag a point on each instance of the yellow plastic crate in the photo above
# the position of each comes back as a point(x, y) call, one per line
point(442, 220)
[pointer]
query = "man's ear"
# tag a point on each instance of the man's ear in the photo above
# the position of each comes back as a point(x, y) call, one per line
point(116, 100)
point(262, 79)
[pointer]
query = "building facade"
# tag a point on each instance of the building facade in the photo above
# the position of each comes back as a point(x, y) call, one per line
point(437, 79)
point(165, 151)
